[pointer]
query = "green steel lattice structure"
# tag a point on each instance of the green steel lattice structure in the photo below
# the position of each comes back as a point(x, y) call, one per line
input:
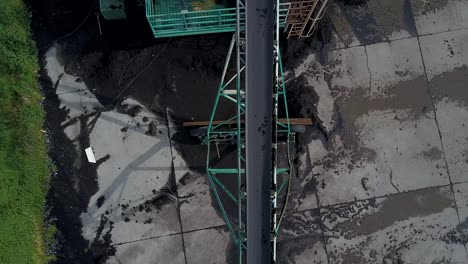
point(169, 18)
point(172, 18)
point(231, 91)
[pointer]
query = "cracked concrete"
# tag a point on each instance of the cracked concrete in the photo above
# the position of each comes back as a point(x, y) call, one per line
point(208, 246)
point(450, 101)
point(394, 99)
point(439, 15)
point(398, 140)
point(407, 228)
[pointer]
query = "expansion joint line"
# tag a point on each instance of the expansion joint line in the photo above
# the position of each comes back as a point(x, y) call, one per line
point(322, 227)
point(434, 109)
point(173, 175)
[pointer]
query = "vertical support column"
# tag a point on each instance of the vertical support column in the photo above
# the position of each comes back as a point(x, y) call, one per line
point(259, 92)
point(240, 194)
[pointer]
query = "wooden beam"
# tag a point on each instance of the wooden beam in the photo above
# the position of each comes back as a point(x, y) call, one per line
point(292, 121)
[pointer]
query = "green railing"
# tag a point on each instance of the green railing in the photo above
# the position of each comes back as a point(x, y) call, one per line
point(197, 22)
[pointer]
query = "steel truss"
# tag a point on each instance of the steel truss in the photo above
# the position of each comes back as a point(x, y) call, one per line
point(231, 92)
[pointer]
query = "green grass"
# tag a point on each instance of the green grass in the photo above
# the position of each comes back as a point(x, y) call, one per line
point(23, 156)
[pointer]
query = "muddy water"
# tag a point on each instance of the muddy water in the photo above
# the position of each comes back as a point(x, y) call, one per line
point(456, 90)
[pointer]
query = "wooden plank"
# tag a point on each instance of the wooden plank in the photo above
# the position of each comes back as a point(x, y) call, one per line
point(292, 121)
point(298, 121)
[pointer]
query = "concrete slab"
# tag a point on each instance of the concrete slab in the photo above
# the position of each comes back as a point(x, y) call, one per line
point(301, 239)
point(444, 52)
point(207, 246)
point(439, 15)
point(414, 227)
point(134, 181)
point(166, 249)
point(302, 250)
point(197, 208)
point(382, 137)
point(453, 122)
point(461, 197)
point(446, 58)
point(326, 79)
point(391, 63)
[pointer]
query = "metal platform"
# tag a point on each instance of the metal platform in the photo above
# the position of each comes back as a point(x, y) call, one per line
point(169, 18)
point(172, 18)
point(303, 17)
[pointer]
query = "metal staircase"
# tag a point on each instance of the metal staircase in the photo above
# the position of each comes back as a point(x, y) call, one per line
point(171, 18)
point(304, 16)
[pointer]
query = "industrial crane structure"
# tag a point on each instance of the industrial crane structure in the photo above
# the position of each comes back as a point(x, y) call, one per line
point(253, 84)
point(172, 18)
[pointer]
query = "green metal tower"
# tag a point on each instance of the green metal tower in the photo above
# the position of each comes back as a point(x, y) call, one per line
point(231, 90)
point(169, 18)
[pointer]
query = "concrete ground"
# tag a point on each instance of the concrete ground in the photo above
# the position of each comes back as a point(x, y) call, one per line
point(385, 182)
point(392, 168)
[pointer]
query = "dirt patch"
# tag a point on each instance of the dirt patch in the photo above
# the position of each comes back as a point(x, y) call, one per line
point(100, 201)
point(183, 74)
point(164, 200)
point(459, 234)
point(433, 153)
point(290, 248)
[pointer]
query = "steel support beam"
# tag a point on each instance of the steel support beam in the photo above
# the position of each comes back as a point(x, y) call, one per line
point(259, 98)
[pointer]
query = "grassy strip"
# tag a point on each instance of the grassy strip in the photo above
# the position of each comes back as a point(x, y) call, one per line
point(23, 155)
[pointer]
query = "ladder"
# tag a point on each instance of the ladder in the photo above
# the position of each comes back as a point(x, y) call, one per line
point(304, 16)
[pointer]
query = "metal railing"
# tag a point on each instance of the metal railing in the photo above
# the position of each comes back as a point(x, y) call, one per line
point(198, 22)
